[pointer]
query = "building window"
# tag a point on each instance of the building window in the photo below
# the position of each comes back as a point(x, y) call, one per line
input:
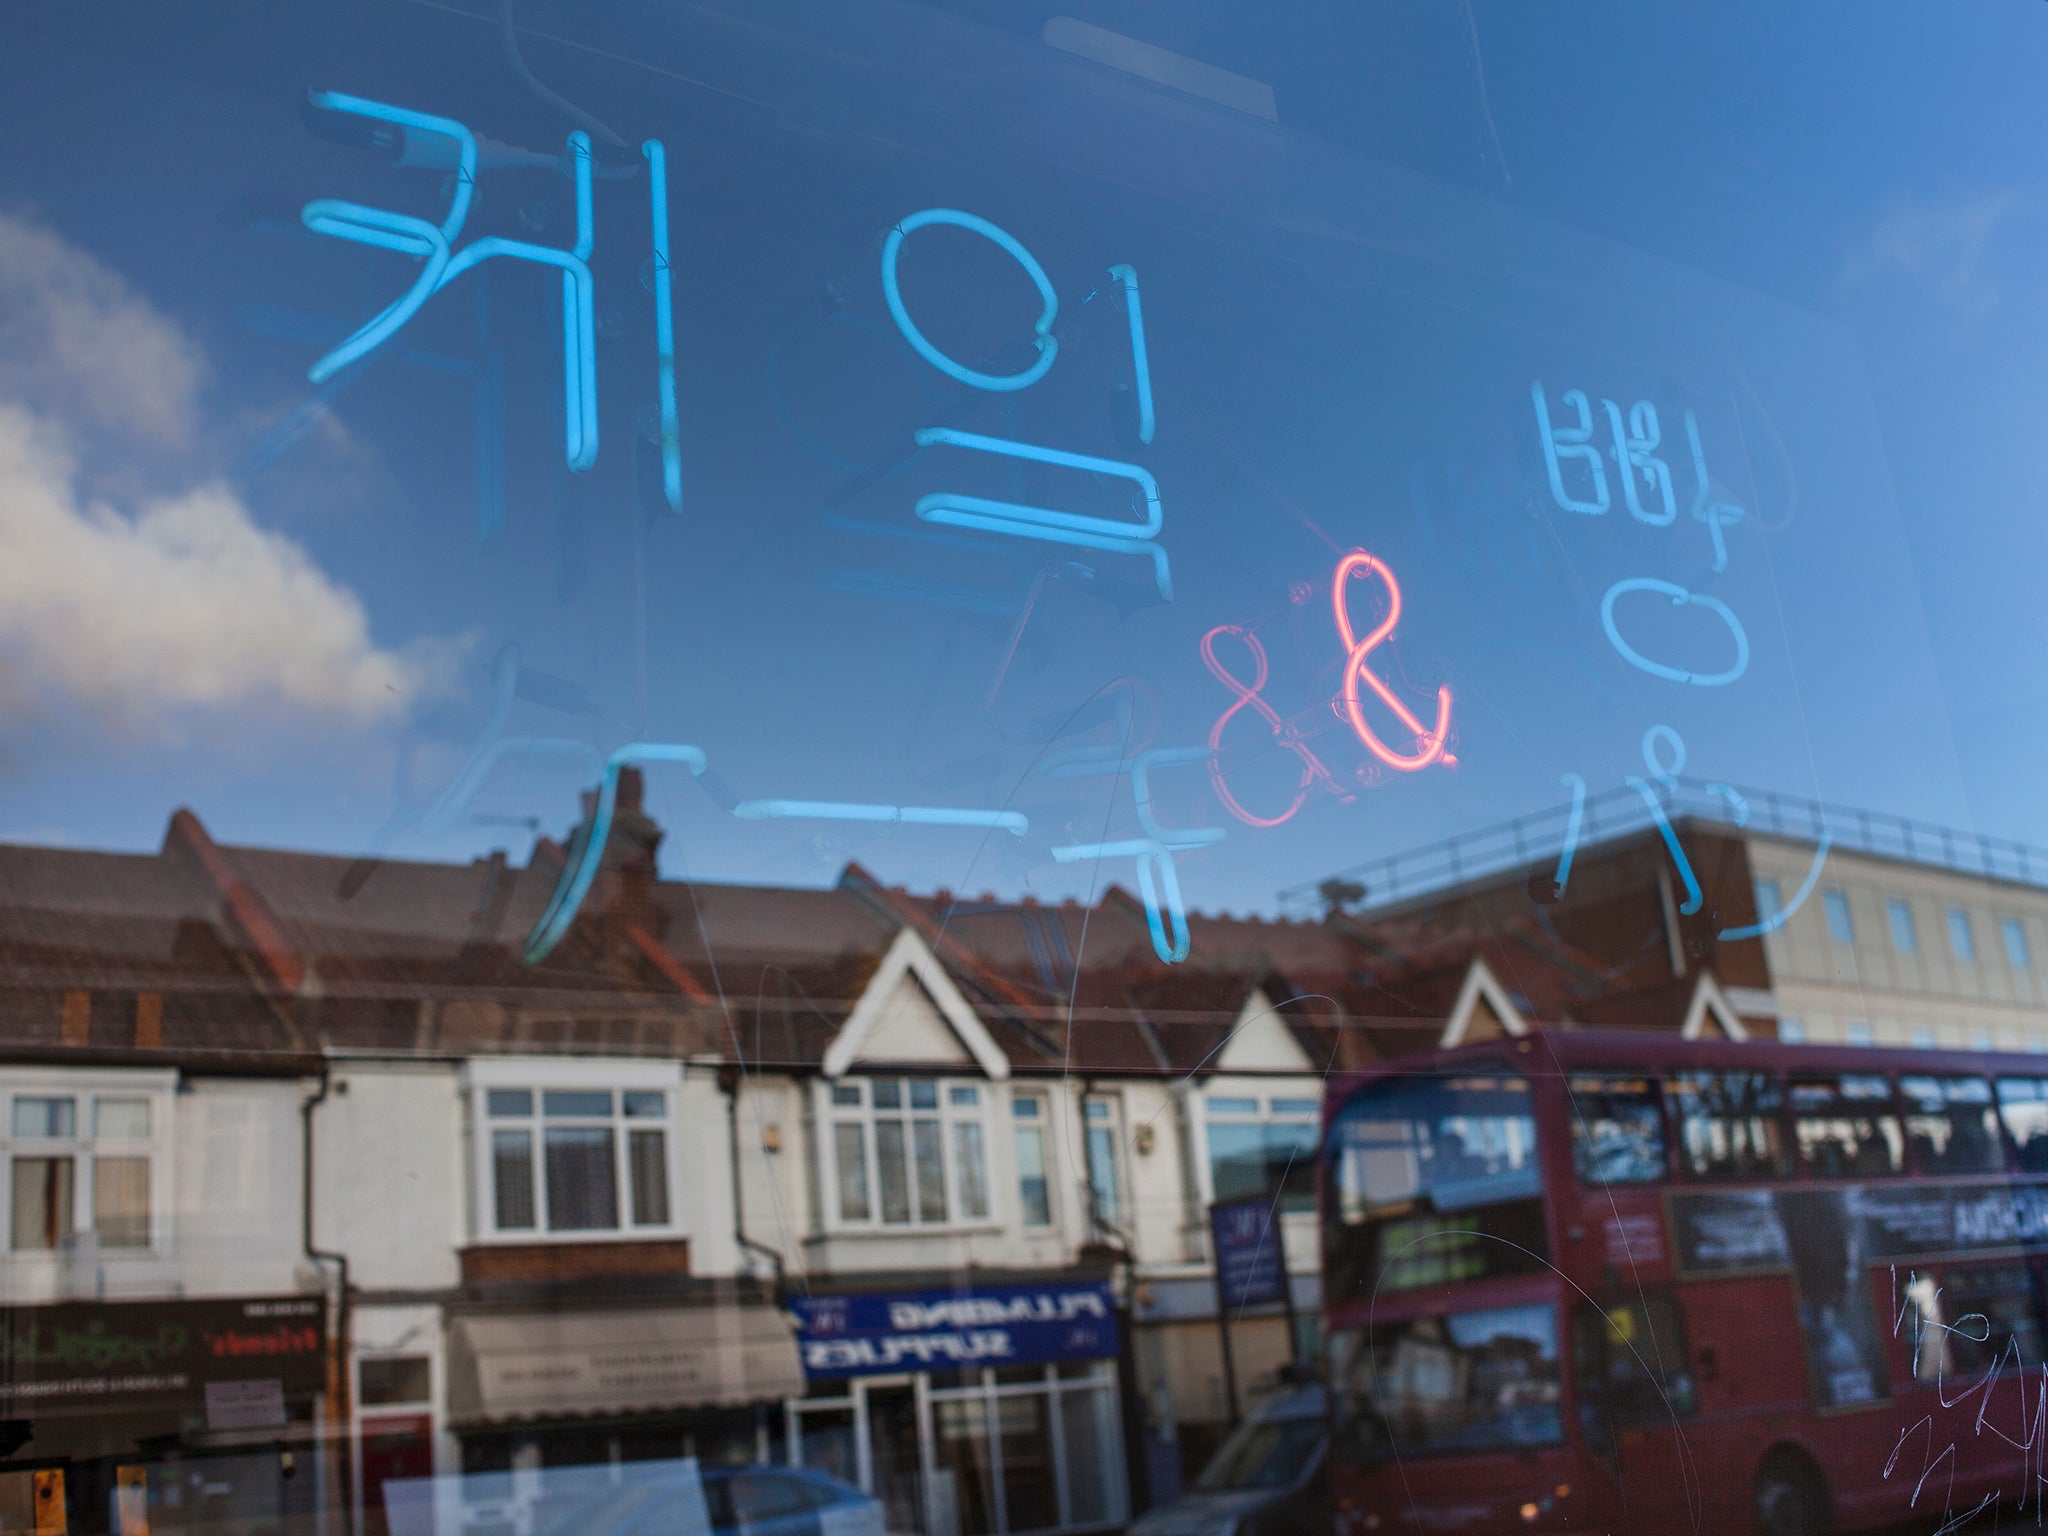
point(1898, 914)
point(1858, 1033)
point(1791, 1032)
point(1263, 1146)
point(2016, 954)
point(1034, 1164)
point(389, 1381)
point(80, 1164)
point(1920, 1037)
point(1841, 928)
point(1770, 901)
point(571, 1161)
point(1962, 938)
point(908, 1151)
point(1105, 1174)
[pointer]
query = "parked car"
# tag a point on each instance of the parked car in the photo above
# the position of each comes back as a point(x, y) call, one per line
point(1266, 1479)
point(726, 1501)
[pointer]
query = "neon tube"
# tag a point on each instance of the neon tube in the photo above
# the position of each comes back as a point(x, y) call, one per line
point(578, 876)
point(664, 325)
point(1565, 855)
point(1693, 898)
point(1680, 597)
point(1141, 365)
point(1430, 744)
point(1776, 920)
point(1047, 344)
point(1632, 451)
point(1013, 822)
point(1312, 767)
point(1576, 443)
point(1717, 515)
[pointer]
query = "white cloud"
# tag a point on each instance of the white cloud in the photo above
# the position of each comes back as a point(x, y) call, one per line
point(180, 602)
point(80, 342)
point(1956, 248)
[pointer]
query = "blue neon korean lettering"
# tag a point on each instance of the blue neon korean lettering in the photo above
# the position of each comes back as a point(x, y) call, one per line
point(1042, 338)
point(1158, 880)
point(1634, 455)
point(1570, 444)
point(1680, 597)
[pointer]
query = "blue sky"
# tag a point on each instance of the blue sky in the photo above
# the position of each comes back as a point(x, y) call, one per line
point(1811, 230)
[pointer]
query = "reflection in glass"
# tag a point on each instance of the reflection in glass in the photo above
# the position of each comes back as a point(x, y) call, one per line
point(1617, 1129)
point(1472, 1381)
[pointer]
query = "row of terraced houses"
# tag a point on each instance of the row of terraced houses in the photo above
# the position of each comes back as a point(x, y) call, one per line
point(317, 1190)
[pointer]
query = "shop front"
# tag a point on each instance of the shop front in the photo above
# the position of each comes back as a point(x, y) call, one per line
point(535, 1391)
point(162, 1416)
point(968, 1411)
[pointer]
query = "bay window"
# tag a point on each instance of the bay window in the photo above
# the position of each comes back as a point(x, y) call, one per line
point(907, 1152)
point(575, 1161)
point(1263, 1145)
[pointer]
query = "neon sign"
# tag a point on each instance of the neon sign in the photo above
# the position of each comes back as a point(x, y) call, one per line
point(1680, 597)
point(1158, 881)
point(433, 245)
point(1430, 744)
point(1312, 769)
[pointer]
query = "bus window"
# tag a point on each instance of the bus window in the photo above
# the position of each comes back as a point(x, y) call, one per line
point(1970, 1320)
point(1470, 1381)
point(1629, 1362)
point(1728, 1124)
point(2023, 1104)
point(1617, 1129)
point(1845, 1127)
point(1950, 1125)
point(1433, 1180)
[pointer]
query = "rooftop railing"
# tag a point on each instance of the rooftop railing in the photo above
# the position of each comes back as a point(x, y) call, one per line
point(1529, 842)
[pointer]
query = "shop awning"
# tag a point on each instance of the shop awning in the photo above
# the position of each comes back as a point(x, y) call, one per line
point(527, 1365)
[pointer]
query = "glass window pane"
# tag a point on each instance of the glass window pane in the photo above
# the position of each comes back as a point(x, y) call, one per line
point(1770, 900)
point(45, 1117)
point(970, 1175)
point(1103, 1182)
point(887, 1093)
point(1309, 1107)
point(42, 1214)
point(1030, 1491)
point(647, 1153)
point(1840, 927)
point(1467, 1382)
point(1243, 1107)
point(1792, 1031)
point(930, 1148)
point(846, 1095)
point(1089, 1444)
point(924, 1094)
point(1237, 1160)
point(1034, 1190)
point(2023, 1104)
point(396, 1379)
point(121, 1119)
point(1617, 1128)
point(512, 1180)
point(850, 1162)
point(2015, 933)
point(1024, 1106)
point(1858, 1033)
point(120, 1201)
point(1291, 1164)
point(1951, 1127)
point(963, 1096)
point(1727, 1123)
point(1962, 938)
point(893, 1165)
point(582, 1178)
point(1844, 1127)
point(509, 1103)
point(1905, 936)
point(577, 1104)
point(646, 1104)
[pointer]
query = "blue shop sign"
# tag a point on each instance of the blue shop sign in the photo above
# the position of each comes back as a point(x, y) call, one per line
point(864, 1335)
point(1251, 1268)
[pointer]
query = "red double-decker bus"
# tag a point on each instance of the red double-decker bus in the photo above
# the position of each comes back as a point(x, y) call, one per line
point(1603, 1282)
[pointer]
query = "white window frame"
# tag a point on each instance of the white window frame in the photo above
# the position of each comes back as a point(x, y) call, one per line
point(1309, 1090)
point(828, 1115)
point(539, 1075)
point(157, 1089)
point(1048, 1143)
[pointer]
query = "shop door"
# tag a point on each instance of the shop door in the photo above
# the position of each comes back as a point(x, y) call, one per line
point(897, 1452)
point(395, 1447)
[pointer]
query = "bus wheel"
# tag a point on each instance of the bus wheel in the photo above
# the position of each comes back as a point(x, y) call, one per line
point(1790, 1499)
